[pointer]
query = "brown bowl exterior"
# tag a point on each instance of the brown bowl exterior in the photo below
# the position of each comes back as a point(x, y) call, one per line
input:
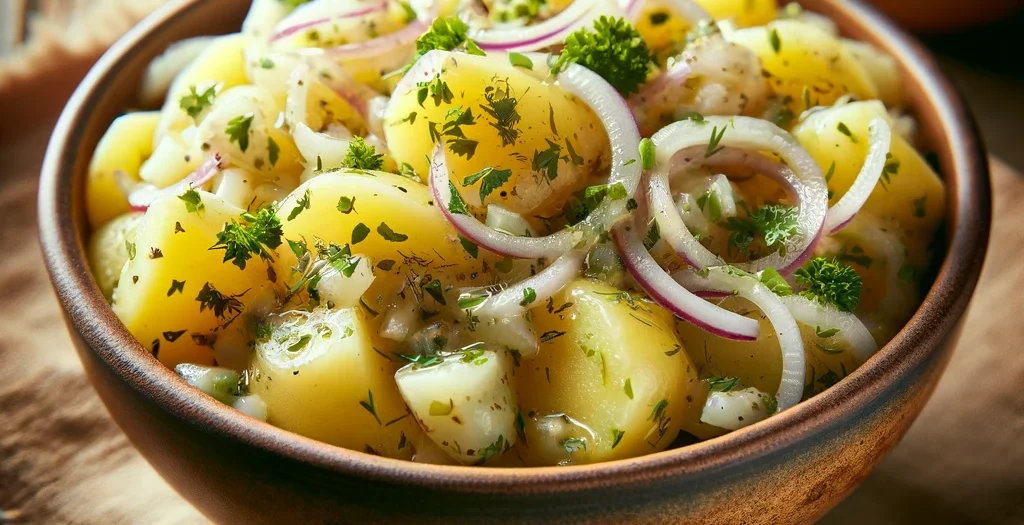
point(790, 468)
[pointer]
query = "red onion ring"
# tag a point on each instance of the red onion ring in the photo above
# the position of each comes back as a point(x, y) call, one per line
point(538, 36)
point(545, 284)
point(670, 294)
point(289, 30)
point(753, 134)
point(879, 138)
point(144, 194)
point(622, 134)
point(726, 279)
point(376, 48)
point(852, 331)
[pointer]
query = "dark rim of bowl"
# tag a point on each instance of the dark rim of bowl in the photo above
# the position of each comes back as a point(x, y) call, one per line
point(968, 220)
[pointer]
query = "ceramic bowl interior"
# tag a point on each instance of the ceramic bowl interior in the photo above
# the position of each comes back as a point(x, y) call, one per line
point(110, 90)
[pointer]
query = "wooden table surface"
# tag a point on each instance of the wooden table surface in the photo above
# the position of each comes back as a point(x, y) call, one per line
point(62, 460)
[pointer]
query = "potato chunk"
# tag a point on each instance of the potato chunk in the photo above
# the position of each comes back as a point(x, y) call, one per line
point(465, 404)
point(125, 145)
point(108, 250)
point(326, 375)
point(611, 380)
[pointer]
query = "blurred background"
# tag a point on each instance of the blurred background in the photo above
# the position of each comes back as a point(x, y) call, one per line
point(63, 461)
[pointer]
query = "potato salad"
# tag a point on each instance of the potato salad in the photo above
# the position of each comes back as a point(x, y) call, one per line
point(515, 232)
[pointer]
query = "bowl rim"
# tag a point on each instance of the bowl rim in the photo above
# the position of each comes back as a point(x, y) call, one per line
point(87, 313)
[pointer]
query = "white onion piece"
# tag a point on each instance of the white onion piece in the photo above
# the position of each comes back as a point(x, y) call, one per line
point(251, 405)
point(144, 194)
point(312, 14)
point(690, 212)
point(745, 133)
point(852, 332)
point(879, 137)
point(507, 221)
point(161, 72)
point(541, 35)
point(623, 136)
point(344, 292)
point(297, 102)
point(235, 186)
point(401, 319)
point(545, 284)
point(312, 145)
point(513, 332)
point(735, 409)
point(677, 299)
point(791, 343)
point(263, 16)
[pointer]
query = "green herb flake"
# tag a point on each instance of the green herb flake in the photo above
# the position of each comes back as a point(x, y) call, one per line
point(529, 296)
point(774, 281)
point(647, 154)
point(492, 179)
point(238, 130)
point(194, 103)
point(617, 437)
point(359, 233)
point(273, 151)
point(362, 156)
point(434, 289)
point(721, 384)
point(346, 205)
point(628, 388)
point(825, 334)
point(830, 282)
point(370, 406)
point(256, 233)
point(520, 60)
point(573, 445)
point(301, 205)
point(613, 49)
point(716, 138)
point(193, 201)
point(390, 235)
point(469, 246)
point(846, 131)
point(773, 39)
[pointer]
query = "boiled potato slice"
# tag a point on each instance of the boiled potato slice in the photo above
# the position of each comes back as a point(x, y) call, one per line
point(611, 380)
point(389, 219)
point(126, 144)
point(882, 68)
point(914, 196)
point(176, 294)
point(108, 250)
point(549, 120)
point(221, 64)
point(742, 13)
point(663, 29)
point(806, 59)
point(465, 404)
point(326, 375)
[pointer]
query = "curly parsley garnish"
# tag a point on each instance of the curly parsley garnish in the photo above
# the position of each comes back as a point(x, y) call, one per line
point(362, 156)
point(830, 282)
point(194, 103)
point(613, 49)
point(255, 234)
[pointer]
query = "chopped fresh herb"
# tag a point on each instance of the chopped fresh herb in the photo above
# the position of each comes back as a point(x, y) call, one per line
point(771, 404)
point(830, 282)
point(846, 131)
point(263, 331)
point(831, 171)
point(546, 161)
point(825, 334)
point(721, 384)
point(446, 34)
point(716, 138)
point(653, 236)
point(386, 265)
point(471, 248)
point(176, 286)
point(502, 108)
point(520, 60)
point(301, 205)
point(406, 170)
point(456, 205)
point(613, 49)
point(437, 408)
point(776, 223)
point(469, 301)
point(631, 205)
point(238, 130)
point(359, 232)
point(437, 90)
point(550, 335)
point(617, 436)
point(370, 406)
point(211, 299)
point(254, 234)
point(266, 63)
point(492, 179)
point(907, 273)
point(388, 234)
point(301, 343)
point(659, 410)
point(647, 154)
point(575, 445)
point(193, 201)
point(892, 167)
point(433, 288)
point(628, 388)
point(529, 296)
point(694, 116)
point(194, 103)
point(297, 247)
point(773, 39)
point(346, 205)
point(273, 151)
point(771, 278)
point(362, 156)
point(919, 209)
point(130, 248)
point(492, 450)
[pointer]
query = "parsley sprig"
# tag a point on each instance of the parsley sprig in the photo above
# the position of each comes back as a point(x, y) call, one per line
point(613, 49)
point(254, 234)
point(830, 282)
point(362, 156)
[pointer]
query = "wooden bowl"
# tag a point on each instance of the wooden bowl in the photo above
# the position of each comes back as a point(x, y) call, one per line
point(790, 468)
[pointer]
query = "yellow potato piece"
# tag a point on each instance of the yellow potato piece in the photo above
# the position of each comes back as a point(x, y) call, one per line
point(159, 296)
point(108, 250)
point(883, 69)
point(423, 241)
point(807, 59)
point(322, 388)
point(743, 13)
point(126, 144)
point(662, 28)
point(611, 373)
point(914, 198)
point(546, 112)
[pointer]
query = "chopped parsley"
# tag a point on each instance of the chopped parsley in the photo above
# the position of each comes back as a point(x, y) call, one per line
point(721, 384)
point(776, 223)
point(346, 205)
point(520, 60)
point(437, 90)
point(238, 130)
point(572, 445)
point(613, 49)
point(617, 436)
point(194, 103)
point(434, 289)
point(529, 296)
point(446, 34)
point(273, 151)
point(653, 236)
point(501, 107)
point(773, 39)
point(830, 282)
point(647, 155)
point(301, 205)
point(359, 233)
point(193, 201)
point(492, 450)
point(771, 278)
point(628, 388)
point(846, 131)
point(388, 234)
point(457, 205)
point(211, 299)
point(492, 179)
point(546, 161)
point(362, 156)
point(458, 143)
point(253, 234)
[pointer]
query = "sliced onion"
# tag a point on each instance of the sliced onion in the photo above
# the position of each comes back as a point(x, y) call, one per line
point(725, 279)
point(401, 319)
point(879, 137)
point(745, 133)
point(357, 94)
point(306, 16)
point(377, 48)
point(541, 35)
point(507, 221)
point(852, 332)
point(734, 409)
point(545, 284)
point(670, 294)
point(144, 194)
point(329, 149)
point(297, 102)
point(622, 133)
